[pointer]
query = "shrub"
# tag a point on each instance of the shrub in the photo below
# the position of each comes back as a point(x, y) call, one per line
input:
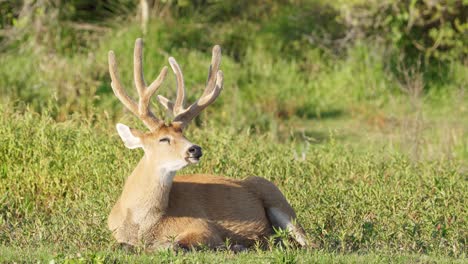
point(432, 29)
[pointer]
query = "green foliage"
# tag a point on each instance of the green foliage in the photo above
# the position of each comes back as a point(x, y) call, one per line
point(65, 27)
point(433, 29)
point(278, 256)
point(371, 150)
point(58, 194)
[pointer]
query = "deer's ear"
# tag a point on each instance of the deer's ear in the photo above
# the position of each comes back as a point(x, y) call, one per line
point(130, 137)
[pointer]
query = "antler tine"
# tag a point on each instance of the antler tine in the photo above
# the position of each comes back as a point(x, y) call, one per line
point(138, 67)
point(213, 88)
point(213, 70)
point(117, 86)
point(177, 107)
point(206, 99)
point(141, 109)
point(180, 99)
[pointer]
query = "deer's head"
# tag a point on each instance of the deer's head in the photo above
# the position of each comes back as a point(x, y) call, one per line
point(165, 144)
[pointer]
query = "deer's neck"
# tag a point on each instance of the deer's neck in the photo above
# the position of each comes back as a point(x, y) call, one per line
point(147, 189)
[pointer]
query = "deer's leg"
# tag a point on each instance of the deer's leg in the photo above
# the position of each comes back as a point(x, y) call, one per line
point(279, 211)
point(198, 237)
point(236, 248)
point(284, 221)
point(158, 246)
point(126, 232)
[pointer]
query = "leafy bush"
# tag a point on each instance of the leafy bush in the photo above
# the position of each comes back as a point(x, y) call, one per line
point(433, 29)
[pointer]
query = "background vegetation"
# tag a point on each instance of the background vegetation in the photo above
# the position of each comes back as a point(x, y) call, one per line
point(357, 110)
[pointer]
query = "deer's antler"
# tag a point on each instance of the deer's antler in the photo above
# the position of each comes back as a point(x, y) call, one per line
point(213, 88)
point(141, 110)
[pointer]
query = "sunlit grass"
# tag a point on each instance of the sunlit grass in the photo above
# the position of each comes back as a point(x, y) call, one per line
point(59, 181)
point(374, 177)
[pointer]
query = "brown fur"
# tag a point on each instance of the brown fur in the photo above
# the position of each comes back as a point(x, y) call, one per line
point(214, 208)
point(192, 210)
point(160, 210)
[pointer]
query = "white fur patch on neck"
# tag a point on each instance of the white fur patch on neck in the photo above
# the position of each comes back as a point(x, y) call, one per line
point(166, 178)
point(174, 165)
point(168, 171)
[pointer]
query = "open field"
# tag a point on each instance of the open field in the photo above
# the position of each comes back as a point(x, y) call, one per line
point(374, 160)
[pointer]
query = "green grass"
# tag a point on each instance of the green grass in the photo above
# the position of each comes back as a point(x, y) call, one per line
point(276, 256)
point(374, 175)
point(59, 181)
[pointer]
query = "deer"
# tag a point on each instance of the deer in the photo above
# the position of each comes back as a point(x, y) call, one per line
point(159, 209)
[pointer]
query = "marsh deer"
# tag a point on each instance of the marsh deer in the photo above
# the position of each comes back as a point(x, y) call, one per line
point(159, 209)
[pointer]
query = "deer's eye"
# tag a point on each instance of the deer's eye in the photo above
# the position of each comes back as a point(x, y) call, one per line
point(165, 140)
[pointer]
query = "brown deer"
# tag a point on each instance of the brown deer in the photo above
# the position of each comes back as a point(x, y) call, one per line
point(158, 209)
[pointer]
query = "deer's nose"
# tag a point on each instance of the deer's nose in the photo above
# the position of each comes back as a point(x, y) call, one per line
point(195, 151)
